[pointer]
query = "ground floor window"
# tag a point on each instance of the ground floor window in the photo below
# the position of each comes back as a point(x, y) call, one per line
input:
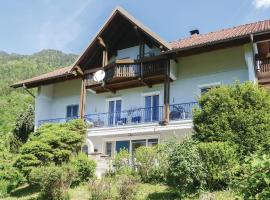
point(131, 145)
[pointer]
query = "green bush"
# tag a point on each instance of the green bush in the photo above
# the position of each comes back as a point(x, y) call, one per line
point(185, 166)
point(127, 187)
point(51, 143)
point(10, 177)
point(4, 188)
point(219, 158)
point(85, 168)
point(237, 114)
point(121, 162)
point(254, 179)
point(151, 163)
point(53, 180)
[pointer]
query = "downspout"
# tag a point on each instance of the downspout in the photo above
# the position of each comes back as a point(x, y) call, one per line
point(28, 91)
point(253, 57)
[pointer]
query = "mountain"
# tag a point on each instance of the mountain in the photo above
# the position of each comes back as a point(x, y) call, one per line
point(16, 67)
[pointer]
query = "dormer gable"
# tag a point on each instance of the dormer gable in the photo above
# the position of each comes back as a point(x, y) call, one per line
point(121, 37)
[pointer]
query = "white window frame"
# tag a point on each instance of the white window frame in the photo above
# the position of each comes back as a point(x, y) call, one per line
point(113, 99)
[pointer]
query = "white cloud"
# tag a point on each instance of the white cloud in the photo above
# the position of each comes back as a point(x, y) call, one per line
point(58, 33)
point(261, 3)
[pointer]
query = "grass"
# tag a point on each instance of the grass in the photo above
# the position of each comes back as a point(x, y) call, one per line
point(144, 192)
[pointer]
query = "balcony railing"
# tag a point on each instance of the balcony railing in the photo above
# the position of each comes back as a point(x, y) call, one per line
point(126, 69)
point(263, 68)
point(181, 111)
point(56, 120)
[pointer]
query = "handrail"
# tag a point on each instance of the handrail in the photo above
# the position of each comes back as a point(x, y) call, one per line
point(133, 116)
point(130, 69)
point(263, 65)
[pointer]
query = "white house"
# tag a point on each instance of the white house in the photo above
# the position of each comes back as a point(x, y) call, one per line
point(150, 85)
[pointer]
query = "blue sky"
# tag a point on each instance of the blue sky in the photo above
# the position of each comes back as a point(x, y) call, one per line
point(29, 26)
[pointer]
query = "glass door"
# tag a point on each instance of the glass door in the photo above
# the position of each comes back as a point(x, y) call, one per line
point(114, 112)
point(151, 108)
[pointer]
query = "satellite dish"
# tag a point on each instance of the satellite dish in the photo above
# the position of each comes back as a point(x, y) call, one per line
point(99, 75)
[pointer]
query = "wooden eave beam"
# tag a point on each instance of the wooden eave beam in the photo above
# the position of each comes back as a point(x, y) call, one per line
point(79, 70)
point(101, 42)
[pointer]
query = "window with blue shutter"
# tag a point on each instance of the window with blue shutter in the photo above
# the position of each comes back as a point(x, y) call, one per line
point(72, 111)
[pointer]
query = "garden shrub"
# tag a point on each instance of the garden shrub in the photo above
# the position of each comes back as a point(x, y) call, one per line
point(121, 162)
point(85, 168)
point(185, 169)
point(237, 113)
point(127, 187)
point(100, 189)
point(10, 177)
point(53, 180)
point(151, 164)
point(219, 158)
point(254, 179)
point(51, 143)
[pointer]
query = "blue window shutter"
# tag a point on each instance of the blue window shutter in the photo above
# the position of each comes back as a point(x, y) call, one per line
point(75, 111)
point(155, 114)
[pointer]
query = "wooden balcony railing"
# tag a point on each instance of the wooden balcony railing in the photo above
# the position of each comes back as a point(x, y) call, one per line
point(124, 70)
point(263, 68)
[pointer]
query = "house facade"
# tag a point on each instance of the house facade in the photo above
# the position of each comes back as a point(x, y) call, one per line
point(150, 86)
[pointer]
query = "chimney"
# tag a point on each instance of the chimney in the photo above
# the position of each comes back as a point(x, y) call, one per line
point(194, 32)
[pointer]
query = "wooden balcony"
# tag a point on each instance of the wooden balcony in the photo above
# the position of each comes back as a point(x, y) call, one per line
point(124, 74)
point(263, 71)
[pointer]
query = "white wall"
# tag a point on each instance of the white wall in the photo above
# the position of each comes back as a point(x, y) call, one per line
point(224, 66)
point(43, 102)
point(131, 98)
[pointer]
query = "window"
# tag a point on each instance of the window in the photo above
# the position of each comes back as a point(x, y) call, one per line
point(72, 111)
point(206, 87)
point(152, 142)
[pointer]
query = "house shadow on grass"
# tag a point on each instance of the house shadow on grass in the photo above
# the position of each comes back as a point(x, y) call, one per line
point(25, 191)
point(165, 195)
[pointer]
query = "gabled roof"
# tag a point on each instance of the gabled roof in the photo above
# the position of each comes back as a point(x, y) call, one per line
point(192, 42)
point(134, 21)
point(221, 35)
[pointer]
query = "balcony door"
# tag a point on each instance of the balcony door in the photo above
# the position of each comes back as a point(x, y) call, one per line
point(115, 107)
point(151, 108)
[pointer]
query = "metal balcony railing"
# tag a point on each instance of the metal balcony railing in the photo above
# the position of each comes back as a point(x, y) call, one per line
point(181, 111)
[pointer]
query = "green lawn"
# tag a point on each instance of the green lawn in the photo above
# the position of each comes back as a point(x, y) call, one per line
point(145, 192)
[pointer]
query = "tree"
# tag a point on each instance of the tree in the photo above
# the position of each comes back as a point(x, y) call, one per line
point(23, 127)
point(24, 124)
point(238, 114)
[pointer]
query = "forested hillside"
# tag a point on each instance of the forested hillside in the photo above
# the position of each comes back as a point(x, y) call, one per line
point(15, 67)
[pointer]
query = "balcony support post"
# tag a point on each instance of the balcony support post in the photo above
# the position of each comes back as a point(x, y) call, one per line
point(83, 98)
point(167, 94)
